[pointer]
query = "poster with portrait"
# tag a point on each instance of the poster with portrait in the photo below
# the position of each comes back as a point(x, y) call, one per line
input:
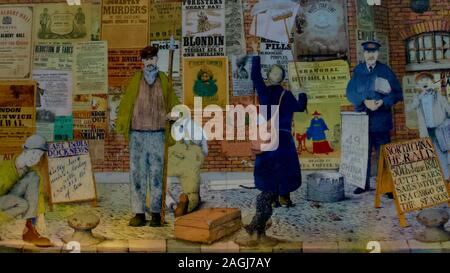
point(273, 52)
point(318, 135)
point(125, 23)
point(205, 78)
point(242, 68)
point(53, 56)
point(90, 69)
point(163, 57)
point(17, 113)
point(62, 23)
point(15, 42)
point(90, 116)
point(122, 64)
point(234, 24)
point(320, 29)
point(165, 21)
point(203, 29)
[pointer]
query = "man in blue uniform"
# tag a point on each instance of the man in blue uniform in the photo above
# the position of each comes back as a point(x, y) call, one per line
point(374, 89)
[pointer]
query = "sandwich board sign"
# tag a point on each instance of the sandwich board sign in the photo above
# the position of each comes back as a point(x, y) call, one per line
point(70, 173)
point(411, 171)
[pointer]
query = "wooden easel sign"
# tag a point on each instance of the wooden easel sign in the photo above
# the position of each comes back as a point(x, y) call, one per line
point(411, 171)
point(70, 173)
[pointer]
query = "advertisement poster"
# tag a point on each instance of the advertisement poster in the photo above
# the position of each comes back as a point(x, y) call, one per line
point(321, 80)
point(53, 56)
point(203, 29)
point(366, 35)
point(91, 68)
point(53, 99)
point(163, 57)
point(63, 128)
point(62, 23)
point(17, 113)
point(272, 52)
point(242, 82)
point(320, 29)
point(318, 136)
point(410, 91)
point(15, 42)
point(165, 20)
point(416, 174)
point(90, 116)
point(70, 172)
point(206, 78)
point(234, 24)
point(354, 143)
point(364, 15)
point(122, 64)
point(125, 23)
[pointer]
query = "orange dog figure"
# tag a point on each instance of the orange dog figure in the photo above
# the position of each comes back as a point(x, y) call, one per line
point(301, 138)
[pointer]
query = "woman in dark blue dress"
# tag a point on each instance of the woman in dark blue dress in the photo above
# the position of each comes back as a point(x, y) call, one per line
point(276, 173)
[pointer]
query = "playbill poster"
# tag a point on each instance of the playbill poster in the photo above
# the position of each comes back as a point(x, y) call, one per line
point(273, 52)
point(165, 21)
point(122, 64)
point(203, 28)
point(91, 68)
point(53, 56)
point(206, 78)
point(89, 116)
point(15, 42)
point(62, 23)
point(234, 23)
point(320, 29)
point(241, 69)
point(125, 23)
point(17, 113)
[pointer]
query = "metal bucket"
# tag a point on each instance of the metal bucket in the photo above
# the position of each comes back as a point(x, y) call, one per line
point(325, 187)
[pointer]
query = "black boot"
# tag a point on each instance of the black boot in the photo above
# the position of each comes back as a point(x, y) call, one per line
point(138, 220)
point(359, 191)
point(285, 201)
point(156, 220)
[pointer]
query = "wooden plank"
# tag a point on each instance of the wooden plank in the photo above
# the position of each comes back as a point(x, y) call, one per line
point(205, 235)
point(208, 218)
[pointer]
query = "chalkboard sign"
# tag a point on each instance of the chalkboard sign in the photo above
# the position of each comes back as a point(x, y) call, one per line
point(70, 172)
point(354, 147)
point(411, 171)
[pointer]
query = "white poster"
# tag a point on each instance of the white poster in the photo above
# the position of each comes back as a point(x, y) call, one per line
point(163, 57)
point(235, 28)
point(273, 52)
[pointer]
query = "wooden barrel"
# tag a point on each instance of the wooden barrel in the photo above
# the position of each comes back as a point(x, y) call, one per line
point(325, 187)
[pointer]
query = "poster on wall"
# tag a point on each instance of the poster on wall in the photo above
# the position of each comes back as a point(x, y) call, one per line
point(354, 143)
point(96, 21)
point(15, 42)
point(321, 80)
point(206, 78)
point(163, 57)
point(63, 129)
point(234, 24)
point(410, 91)
point(318, 135)
point(17, 113)
point(273, 52)
point(70, 172)
point(381, 37)
point(241, 69)
point(165, 21)
point(203, 29)
point(53, 56)
point(122, 64)
point(53, 99)
point(90, 116)
point(113, 108)
point(125, 23)
point(364, 15)
point(62, 23)
point(320, 29)
point(91, 68)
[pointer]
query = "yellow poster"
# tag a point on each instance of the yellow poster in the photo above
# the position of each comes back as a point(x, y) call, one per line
point(165, 20)
point(125, 23)
point(318, 136)
point(15, 42)
point(17, 113)
point(321, 80)
point(90, 116)
point(206, 78)
point(62, 23)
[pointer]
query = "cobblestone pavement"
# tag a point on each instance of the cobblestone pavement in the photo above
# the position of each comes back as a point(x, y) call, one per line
point(354, 219)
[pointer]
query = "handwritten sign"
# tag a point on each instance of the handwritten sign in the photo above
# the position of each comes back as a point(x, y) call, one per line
point(412, 172)
point(70, 172)
point(354, 155)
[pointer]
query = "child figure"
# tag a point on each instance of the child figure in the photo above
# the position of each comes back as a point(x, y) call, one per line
point(432, 111)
